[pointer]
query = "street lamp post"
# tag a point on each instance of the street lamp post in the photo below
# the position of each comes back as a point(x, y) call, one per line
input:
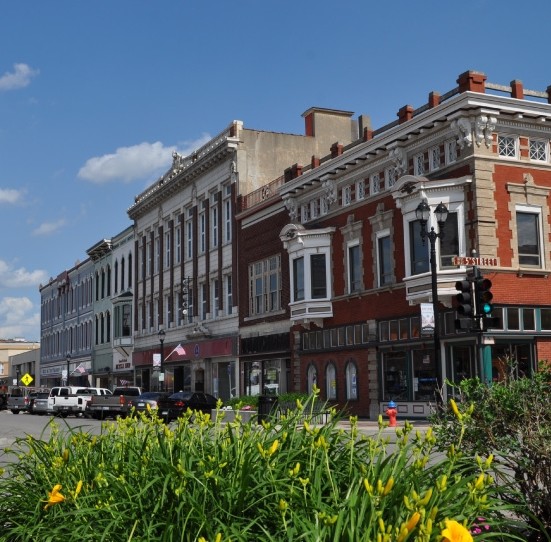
point(423, 214)
point(68, 360)
point(161, 335)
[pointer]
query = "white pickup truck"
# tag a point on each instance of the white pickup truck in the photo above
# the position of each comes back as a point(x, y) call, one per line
point(67, 400)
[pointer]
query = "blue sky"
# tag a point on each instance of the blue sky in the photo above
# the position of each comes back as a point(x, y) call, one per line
point(95, 96)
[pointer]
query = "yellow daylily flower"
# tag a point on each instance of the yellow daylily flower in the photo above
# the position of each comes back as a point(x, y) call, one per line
point(54, 497)
point(455, 532)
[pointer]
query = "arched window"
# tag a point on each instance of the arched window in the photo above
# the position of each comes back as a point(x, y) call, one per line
point(312, 378)
point(116, 275)
point(122, 274)
point(331, 382)
point(351, 380)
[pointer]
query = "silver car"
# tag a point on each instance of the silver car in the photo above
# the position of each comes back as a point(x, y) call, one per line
point(39, 403)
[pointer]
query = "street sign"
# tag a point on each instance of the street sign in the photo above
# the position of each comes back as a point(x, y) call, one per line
point(27, 379)
point(471, 260)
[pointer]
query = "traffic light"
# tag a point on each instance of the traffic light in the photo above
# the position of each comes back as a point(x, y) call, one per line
point(484, 296)
point(484, 305)
point(464, 298)
point(465, 304)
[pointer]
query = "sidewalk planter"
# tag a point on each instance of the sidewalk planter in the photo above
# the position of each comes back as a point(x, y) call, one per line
point(229, 415)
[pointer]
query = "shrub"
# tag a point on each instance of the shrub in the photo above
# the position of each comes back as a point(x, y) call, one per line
point(141, 480)
point(512, 420)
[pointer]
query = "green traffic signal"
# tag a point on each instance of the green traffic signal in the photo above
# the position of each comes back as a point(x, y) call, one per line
point(484, 296)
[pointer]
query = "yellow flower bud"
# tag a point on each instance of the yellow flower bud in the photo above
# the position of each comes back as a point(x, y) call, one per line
point(458, 414)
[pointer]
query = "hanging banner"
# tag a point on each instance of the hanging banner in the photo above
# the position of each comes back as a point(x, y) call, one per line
point(427, 319)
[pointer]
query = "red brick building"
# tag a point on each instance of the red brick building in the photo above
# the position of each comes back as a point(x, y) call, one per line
point(334, 273)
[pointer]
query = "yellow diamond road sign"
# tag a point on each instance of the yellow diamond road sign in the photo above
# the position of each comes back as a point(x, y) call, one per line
point(26, 379)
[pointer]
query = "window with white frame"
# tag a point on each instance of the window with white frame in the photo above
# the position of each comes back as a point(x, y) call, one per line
point(305, 212)
point(529, 236)
point(204, 300)
point(354, 268)
point(264, 286)
point(149, 269)
point(507, 146)
point(157, 254)
point(539, 150)
point(203, 228)
point(449, 242)
point(331, 381)
point(434, 158)
point(229, 294)
point(360, 189)
point(214, 221)
point(384, 258)
point(167, 249)
point(227, 213)
point(450, 151)
point(351, 381)
point(168, 311)
point(298, 278)
point(347, 195)
point(418, 251)
point(375, 183)
point(215, 292)
point(178, 244)
point(324, 206)
point(390, 177)
point(189, 234)
point(419, 164)
point(314, 208)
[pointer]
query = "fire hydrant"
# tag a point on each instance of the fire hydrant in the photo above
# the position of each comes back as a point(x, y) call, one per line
point(391, 412)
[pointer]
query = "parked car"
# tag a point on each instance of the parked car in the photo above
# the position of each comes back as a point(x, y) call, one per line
point(39, 403)
point(177, 404)
point(140, 403)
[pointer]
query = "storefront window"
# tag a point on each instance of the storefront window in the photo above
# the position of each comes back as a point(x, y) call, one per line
point(351, 381)
point(425, 383)
point(395, 380)
point(312, 378)
point(331, 382)
point(463, 363)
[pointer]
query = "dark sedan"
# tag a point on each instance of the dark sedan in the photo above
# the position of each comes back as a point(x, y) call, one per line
point(148, 398)
point(178, 403)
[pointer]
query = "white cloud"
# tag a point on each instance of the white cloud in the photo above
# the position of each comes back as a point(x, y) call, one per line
point(47, 228)
point(20, 278)
point(17, 319)
point(10, 195)
point(138, 162)
point(19, 78)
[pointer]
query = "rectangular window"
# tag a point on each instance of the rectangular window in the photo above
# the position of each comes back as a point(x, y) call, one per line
point(528, 234)
point(204, 301)
point(229, 296)
point(418, 251)
point(227, 219)
point(347, 195)
point(215, 297)
point(354, 268)
point(360, 189)
point(384, 260)
point(189, 231)
point(202, 231)
point(419, 164)
point(507, 146)
point(375, 183)
point(214, 226)
point(167, 249)
point(390, 177)
point(265, 286)
point(298, 278)
point(449, 243)
point(157, 254)
point(149, 258)
point(434, 158)
point(304, 213)
point(450, 151)
point(178, 247)
point(539, 150)
point(545, 319)
point(318, 277)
